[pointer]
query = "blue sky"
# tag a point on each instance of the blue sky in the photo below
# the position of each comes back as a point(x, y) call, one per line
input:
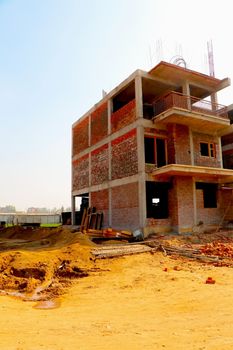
point(56, 57)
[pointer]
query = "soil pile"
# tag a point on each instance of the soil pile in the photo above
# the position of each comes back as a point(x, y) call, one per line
point(39, 264)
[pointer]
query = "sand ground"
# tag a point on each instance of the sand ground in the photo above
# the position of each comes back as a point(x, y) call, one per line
point(142, 301)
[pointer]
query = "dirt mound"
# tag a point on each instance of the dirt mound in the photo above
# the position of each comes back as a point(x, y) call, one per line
point(42, 266)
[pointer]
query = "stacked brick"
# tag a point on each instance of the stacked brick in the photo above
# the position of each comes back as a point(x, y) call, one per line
point(99, 165)
point(124, 155)
point(206, 161)
point(125, 206)
point(123, 116)
point(99, 123)
point(179, 145)
point(81, 173)
point(100, 200)
point(80, 136)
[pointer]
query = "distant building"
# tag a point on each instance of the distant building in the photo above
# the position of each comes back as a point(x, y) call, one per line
point(149, 153)
point(227, 143)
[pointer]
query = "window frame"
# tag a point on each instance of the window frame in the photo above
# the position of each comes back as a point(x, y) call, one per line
point(155, 149)
point(211, 149)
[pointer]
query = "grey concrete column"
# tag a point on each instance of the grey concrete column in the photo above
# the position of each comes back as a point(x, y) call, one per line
point(194, 202)
point(191, 146)
point(220, 151)
point(110, 206)
point(141, 176)
point(73, 210)
point(138, 97)
point(109, 116)
point(186, 91)
point(89, 130)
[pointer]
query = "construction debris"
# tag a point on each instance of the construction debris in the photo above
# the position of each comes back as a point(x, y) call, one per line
point(120, 250)
point(220, 255)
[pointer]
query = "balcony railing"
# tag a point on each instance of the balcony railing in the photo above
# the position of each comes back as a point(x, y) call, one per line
point(188, 103)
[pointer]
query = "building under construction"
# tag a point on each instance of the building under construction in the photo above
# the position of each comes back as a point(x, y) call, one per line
point(149, 154)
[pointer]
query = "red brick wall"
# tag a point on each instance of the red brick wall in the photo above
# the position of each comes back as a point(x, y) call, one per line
point(80, 170)
point(125, 206)
point(227, 139)
point(123, 116)
point(157, 132)
point(179, 145)
point(205, 161)
point(124, 155)
point(228, 159)
point(171, 152)
point(80, 136)
point(208, 216)
point(100, 200)
point(181, 203)
point(99, 123)
point(99, 165)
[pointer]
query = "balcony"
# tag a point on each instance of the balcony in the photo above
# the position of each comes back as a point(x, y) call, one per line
point(201, 115)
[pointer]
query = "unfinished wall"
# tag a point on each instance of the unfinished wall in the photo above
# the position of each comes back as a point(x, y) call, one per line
point(80, 136)
point(209, 216)
point(124, 155)
point(99, 199)
point(227, 149)
point(99, 165)
point(125, 206)
point(181, 206)
point(99, 123)
point(123, 116)
point(178, 144)
point(80, 174)
point(201, 160)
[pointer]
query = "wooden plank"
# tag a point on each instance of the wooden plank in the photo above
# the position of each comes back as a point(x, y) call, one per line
point(83, 219)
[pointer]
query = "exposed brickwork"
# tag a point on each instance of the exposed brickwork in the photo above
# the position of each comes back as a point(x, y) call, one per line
point(80, 170)
point(228, 159)
point(99, 123)
point(99, 165)
point(209, 216)
point(80, 136)
point(226, 204)
point(205, 161)
point(158, 132)
point(124, 155)
point(123, 116)
point(158, 222)
point(227, 139)
point(171, 144)
point(100, 200)
point(125, 206)
point(181, 203)
point(179, 145)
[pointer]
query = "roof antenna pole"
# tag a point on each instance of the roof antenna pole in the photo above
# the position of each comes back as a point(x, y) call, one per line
point(214, 99)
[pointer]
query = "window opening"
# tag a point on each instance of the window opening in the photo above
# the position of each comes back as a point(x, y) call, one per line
point(209, 194)
point(207, 149)
point(161, 152)
point(155, 151)
point(157, 200)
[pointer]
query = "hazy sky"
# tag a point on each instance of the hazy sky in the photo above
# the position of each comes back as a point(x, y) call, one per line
point(56, 56)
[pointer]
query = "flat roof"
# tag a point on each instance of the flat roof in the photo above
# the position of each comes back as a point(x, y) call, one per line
point(172, 72)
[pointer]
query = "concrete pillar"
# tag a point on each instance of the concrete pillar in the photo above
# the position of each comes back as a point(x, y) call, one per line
point(220, 151)
point(109, 116)
point(186, 91)
point(73, 210)
point(194, 203)
point(110, 207)
point(214, 101)
point(138, 97)
point(191, 146)
point(89, 130)
point(141, 176)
